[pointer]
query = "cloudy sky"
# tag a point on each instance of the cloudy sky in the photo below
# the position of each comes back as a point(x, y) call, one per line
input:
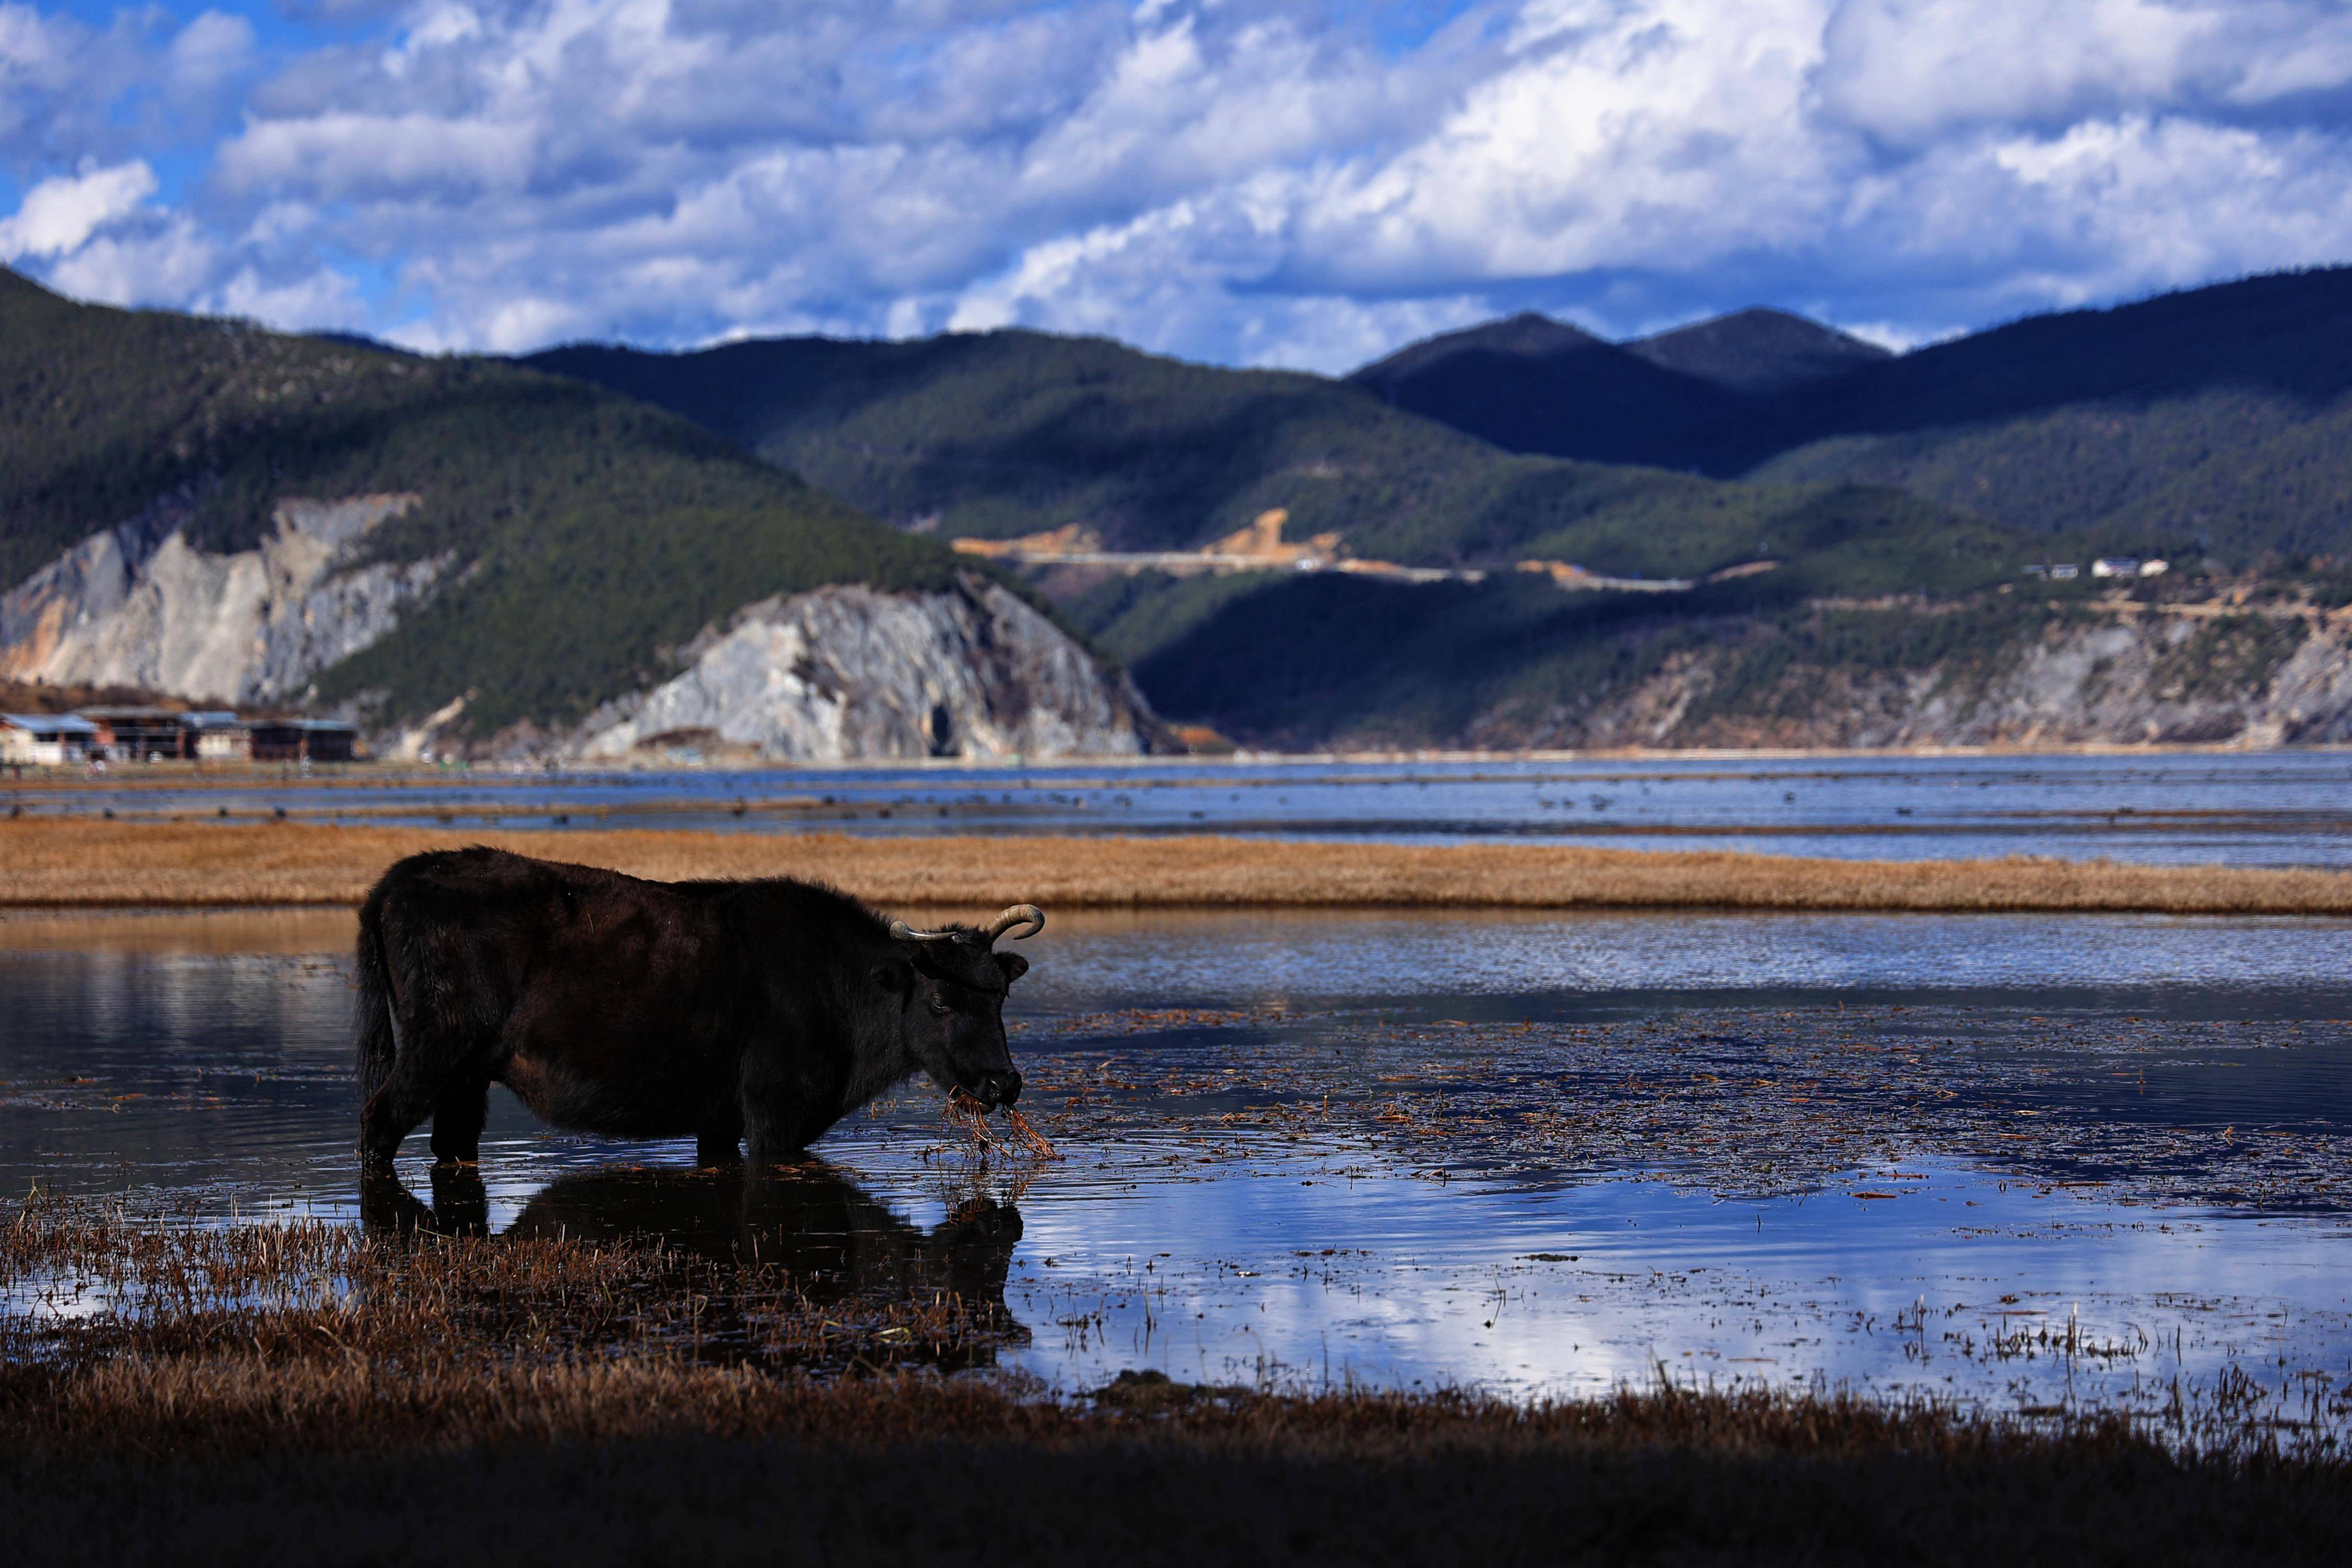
point(1285, 182)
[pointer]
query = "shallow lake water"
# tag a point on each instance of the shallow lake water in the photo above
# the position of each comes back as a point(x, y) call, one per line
point(2024, 1160)
point(2265, 808)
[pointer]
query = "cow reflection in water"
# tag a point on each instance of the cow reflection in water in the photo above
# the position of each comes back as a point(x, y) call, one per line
point(836, 1240)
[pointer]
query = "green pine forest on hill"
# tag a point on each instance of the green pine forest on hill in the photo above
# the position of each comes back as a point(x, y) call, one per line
point(588, 532)
point(1003, 434)
point(2211, 421)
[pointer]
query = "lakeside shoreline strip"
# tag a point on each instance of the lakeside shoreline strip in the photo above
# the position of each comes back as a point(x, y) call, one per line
point(81, 864)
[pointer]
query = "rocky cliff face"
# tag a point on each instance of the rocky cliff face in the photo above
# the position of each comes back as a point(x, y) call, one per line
point(138, 605)
point(2250, 679)
point(841, 674)
point(844, 673)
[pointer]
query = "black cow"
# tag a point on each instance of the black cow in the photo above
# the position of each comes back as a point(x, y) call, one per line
point(762, 1011)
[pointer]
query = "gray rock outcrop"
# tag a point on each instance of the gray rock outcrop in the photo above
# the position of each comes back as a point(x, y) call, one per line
point(138, 605)
point(846, 673)
point(2246, 678)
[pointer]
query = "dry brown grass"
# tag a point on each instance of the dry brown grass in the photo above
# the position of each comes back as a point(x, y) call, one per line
point(312, 1393)
point(69, 863)
point(310, 1291)
point(605, 1466)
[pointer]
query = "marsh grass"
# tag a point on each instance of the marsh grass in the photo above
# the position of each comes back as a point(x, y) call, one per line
point(76, 863)
point(83, 1287)
point(307, 1392)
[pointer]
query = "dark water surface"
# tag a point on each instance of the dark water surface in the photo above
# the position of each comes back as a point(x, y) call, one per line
point(2017, 1159)
point(2255, 808)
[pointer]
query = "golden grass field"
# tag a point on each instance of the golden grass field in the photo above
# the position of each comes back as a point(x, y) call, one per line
point(65, 864)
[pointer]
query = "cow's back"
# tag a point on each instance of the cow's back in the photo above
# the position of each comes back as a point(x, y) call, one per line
point(492, 916)
point(604, 1000)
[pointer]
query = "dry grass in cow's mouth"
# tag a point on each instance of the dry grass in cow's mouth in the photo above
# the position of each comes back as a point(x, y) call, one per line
point(967, 1120)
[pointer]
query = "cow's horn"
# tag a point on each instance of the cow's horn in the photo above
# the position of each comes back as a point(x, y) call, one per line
point(901, 932)
point(1028, 916)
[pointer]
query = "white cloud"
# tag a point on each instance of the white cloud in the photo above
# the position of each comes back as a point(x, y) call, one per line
point(322, 299)
point(1273, 183)
point(171, 261)
point(1908, 69)
point(1613, 136)
point(342, 154)
point(212, 48)
point(60, 214)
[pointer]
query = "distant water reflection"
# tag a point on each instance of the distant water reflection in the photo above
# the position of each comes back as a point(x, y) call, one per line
point(1220, 1222)
point(2268, 808)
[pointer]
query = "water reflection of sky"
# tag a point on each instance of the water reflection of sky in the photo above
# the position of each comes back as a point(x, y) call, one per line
point(1575, 1289)
point(1213, 958)
point(158, 1069)
point(2242, 808)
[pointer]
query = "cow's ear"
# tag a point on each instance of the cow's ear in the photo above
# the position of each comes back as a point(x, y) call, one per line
point(1013, 964)
point(894, 974)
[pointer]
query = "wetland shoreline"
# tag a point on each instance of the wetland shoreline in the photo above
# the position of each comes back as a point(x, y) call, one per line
point(83, 864)
point(551, 1398)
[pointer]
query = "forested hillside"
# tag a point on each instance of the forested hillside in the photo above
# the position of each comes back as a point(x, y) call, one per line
point(1003, 434)
point(1896, 607)
point(584, 535)
point(2215, 419)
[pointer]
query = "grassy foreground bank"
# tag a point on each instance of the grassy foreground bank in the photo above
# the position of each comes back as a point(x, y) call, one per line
point(617, 1465)
point(518, 1400)
point(85, 864)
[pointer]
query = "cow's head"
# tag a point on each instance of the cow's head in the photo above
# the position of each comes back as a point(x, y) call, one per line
point(951, 987)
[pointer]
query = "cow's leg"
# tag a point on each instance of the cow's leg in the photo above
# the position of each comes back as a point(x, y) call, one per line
point(436, 1076)
point(457, 1117)
point(772, 1141)
point(717, 1141)
point(391, 1114)
point(763, 1102)
point(787, 1102)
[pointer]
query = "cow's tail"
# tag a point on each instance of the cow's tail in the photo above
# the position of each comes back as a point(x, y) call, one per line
point(376, 1041)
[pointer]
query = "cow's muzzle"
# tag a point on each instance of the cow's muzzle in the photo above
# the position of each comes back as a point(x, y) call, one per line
point(996, 1088)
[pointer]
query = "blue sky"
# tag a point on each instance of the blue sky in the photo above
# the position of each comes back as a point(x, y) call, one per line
point(1285, 182)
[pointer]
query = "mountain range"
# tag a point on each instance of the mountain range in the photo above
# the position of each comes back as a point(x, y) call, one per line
point(1751, 530)
point(2215, 419)
point(1879, 487)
